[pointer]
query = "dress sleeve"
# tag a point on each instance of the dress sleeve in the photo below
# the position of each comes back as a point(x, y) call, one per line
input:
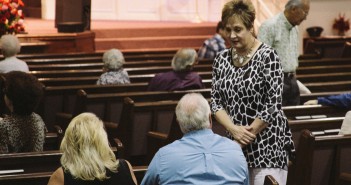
point(340, 101)
point(3, 138)
point(216, 102)
point(273, 79)
point(39, 136)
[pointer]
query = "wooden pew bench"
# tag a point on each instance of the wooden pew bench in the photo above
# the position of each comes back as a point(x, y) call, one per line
point(63, 98)
point(307, 110)
point(297, 126)
point(329, 86)
point(320, 159)
point(325, 62)
point(31, 162)
point(42, 178)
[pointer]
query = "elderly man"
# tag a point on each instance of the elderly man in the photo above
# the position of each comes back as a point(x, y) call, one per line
point(281, 32)
point(10, 46)
point(181, 77)
point(200, 156)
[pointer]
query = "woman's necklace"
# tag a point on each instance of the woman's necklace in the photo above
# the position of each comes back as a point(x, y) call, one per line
point(240, 58)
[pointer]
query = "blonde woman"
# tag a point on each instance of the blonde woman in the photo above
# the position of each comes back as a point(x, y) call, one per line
point(87, 157)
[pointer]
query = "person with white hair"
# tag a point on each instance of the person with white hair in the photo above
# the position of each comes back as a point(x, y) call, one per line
point(281, 32)
point(10, 46)
point(181, 77)
point(200, 156)
point(87, 157)
point(113, 69)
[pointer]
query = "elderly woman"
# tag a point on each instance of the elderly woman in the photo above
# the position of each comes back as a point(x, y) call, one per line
point(87, 157)
point(113, 69)
point(10, 46)
point(181, 77)
point(22, 130)
point(246, 96)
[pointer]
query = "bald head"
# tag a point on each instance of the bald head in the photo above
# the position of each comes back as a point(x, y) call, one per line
point(193, 113)
point(296, 11)
point(184, 59)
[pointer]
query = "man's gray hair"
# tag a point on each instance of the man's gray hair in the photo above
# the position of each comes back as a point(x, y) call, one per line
point(113, 59)
point(293, 3)
point(184, 59)
point(10, 45)
point(193, 113)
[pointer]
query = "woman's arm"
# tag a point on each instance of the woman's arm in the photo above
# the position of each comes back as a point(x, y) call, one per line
point(242, 134)
point(57, 177)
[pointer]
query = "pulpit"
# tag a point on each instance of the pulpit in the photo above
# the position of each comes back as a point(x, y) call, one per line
point(73, 16)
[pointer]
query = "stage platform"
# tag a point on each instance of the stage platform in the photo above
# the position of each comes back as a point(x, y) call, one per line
point(124, 35)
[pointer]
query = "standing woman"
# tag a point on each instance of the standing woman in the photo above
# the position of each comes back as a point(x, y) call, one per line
point(246, 96)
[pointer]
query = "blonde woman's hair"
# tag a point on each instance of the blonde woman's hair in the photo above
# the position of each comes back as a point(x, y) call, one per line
point(86, 150)
point(113, 59)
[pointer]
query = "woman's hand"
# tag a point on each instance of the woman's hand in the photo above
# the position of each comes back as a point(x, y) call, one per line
point(311, 102)
point(242, 134)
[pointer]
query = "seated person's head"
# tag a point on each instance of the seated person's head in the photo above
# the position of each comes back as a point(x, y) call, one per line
point(85, 148)
point(220, 30)
point(184, 59)
point(193, 113)
point(22, 91)
point(113, 60)
point(10, 45)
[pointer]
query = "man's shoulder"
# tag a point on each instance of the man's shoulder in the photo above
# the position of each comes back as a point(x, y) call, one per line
point(270, 22)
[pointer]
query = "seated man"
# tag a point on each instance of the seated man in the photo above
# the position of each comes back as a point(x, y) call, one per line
point(10, 46)
point(200, 156)
point(181, 77)
point(340, 101)
point(213, 45)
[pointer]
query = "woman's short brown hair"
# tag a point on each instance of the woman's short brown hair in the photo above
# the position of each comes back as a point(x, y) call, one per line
point(243, 9)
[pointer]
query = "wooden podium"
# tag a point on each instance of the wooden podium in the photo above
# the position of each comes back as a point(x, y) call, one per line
point(73, 16)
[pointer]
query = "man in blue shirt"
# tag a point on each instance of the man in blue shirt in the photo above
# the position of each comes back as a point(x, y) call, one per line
point(200, 156)
point(340, 101)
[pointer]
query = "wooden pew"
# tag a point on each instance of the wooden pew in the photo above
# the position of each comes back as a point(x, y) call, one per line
point(345, 179)
point(85, 54)
point(324, 62)
point(35, 178)
point(64, 97)
point(320, 159)
point(31, 162)
point(346, 52)
point(42, 178)
point(297, 126)
point(307, 110)
point(108, 106)
point(328, 86)
point(320, 69)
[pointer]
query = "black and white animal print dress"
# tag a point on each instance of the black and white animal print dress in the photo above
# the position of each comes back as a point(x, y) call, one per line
point(254, 91)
